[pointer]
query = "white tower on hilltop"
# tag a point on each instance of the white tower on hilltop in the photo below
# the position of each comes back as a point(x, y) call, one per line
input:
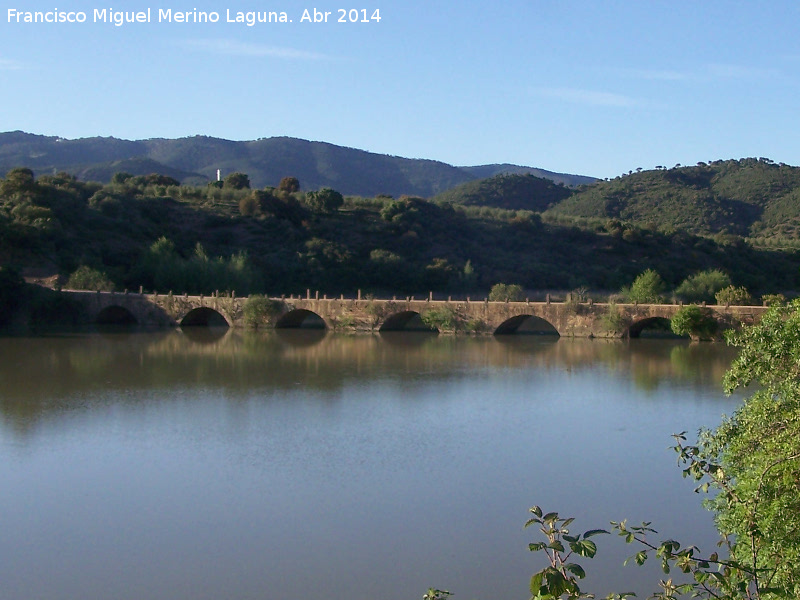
point(218, 176)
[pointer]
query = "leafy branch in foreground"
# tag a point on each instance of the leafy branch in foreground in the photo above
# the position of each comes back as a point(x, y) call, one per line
point(561, 577)
point(712, 577)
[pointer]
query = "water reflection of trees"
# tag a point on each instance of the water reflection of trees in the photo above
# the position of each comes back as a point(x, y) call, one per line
point(57, 375)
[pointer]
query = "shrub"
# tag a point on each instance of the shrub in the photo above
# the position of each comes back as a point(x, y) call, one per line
point(702, 286)
point(249, 205)
point(647, 288)
point(236, 181)
point(737, 296)
point(694, 321)
point(444, 319)
point(289, 185)
point(86, 278)
point(773, 299)
point(502, 292)
point(613, 321)
point(259, 310)
point(325, 200)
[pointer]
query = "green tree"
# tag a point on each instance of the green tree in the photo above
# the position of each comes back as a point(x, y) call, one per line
point(758, 448)
point(158, 179)
point(249, 206)
point(736, 296)
point(773, 299)
point(444, 318)
point(468, 277)
point(439, 274)
point(18, 180)
point(120, 177)
point(325, 200)
point(503, 292)
point(87, 278)
point(259, 310)
point(702, 286)
point(289, 185)
point(694, 321)
point(388, 270)
point(647, 288)
point(236, 181)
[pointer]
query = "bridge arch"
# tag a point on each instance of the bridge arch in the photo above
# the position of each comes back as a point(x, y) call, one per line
point(527, 324)
point(115, 315)
point(406, 320)
point(300, 318)
point(652, 327)
point(204, 316)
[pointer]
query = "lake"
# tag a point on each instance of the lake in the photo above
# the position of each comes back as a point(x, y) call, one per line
point(206, 464)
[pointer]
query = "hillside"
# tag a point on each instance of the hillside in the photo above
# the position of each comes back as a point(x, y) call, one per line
point(143, 231)
point(485, 171)
point(748, 197)
point(514, 192)
point(194, 160)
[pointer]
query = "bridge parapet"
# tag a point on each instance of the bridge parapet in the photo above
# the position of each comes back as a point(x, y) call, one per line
point(570, 319)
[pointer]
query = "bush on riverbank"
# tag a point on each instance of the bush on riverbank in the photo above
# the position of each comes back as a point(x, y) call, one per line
point(695, 321)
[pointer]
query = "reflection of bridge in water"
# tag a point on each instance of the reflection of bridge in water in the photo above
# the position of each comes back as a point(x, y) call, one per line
point(570, 319)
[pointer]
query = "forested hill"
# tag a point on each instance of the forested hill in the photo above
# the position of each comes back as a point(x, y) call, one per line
point(755, 198)
point(195, 160)
point(148, 231)
point(510, 191)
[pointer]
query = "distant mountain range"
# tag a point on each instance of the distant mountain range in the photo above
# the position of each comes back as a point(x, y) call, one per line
point(195, 160)
point(750, 197)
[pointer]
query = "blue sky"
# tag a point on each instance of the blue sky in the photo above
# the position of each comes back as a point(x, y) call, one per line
point(596, 88)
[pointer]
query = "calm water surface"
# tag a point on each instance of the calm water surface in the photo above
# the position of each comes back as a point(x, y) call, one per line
point(197, 465)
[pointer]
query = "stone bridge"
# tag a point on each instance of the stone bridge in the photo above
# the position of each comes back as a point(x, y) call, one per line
point(571, 319)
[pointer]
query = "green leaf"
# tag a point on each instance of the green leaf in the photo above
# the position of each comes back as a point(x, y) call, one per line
point(536, 583)
point(576, 570)
point(555, 582)
point(535, 547)
point(556, 545)
point(550, 517)
point(593, 532)
point(537, 511)
point(585, 548)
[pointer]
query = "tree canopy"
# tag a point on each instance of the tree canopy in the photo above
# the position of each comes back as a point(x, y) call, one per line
point(648, 287)
point(325, 200)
